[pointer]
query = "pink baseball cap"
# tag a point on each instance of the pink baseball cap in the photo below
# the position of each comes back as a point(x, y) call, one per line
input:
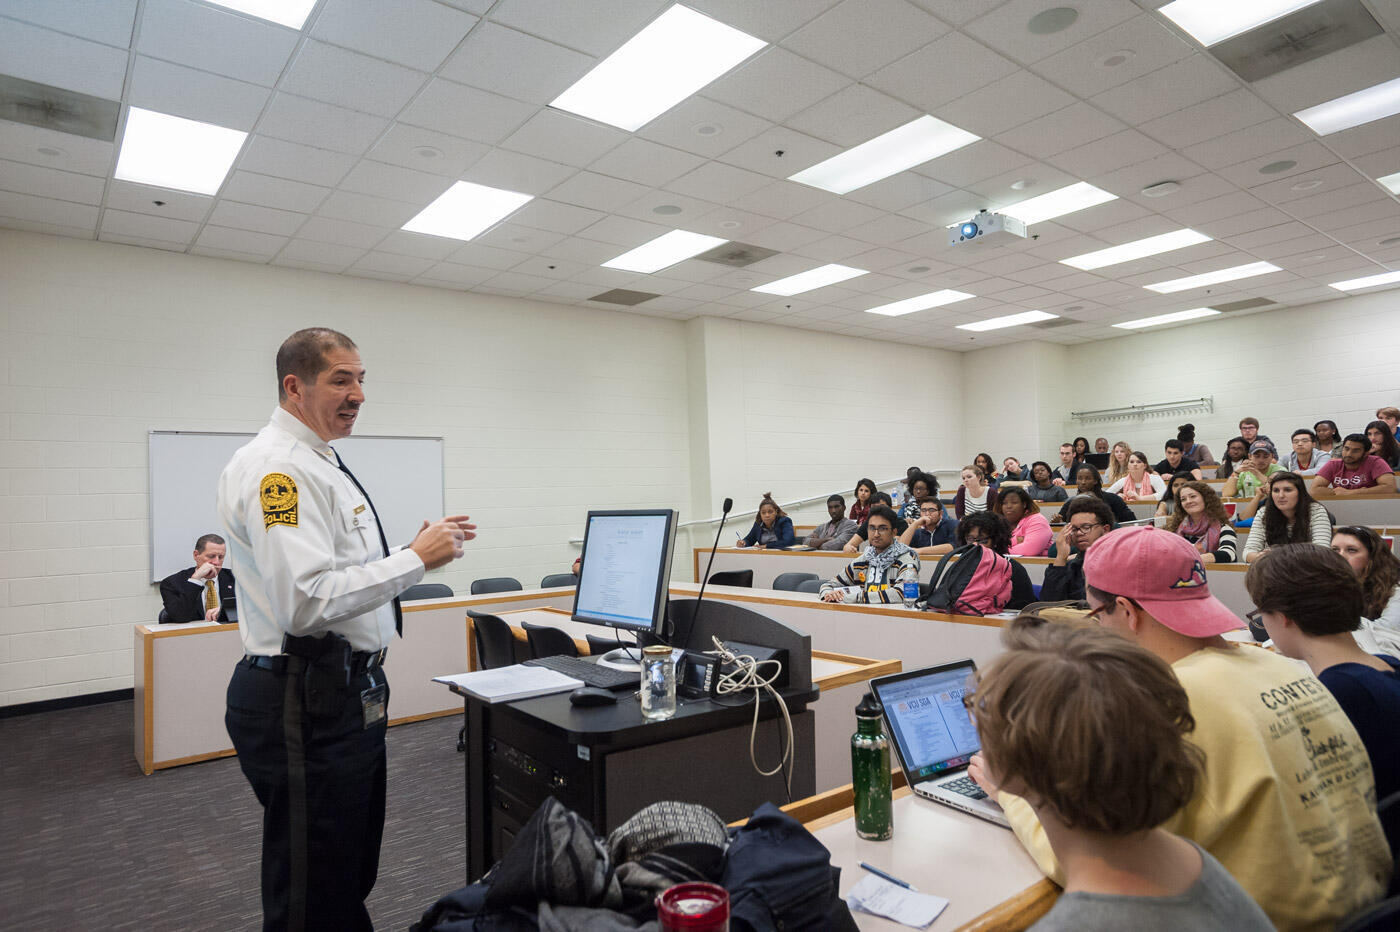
point(1163, 573)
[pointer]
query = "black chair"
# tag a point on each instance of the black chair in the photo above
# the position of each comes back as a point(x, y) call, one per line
point(163, 618)
point(495, 584)
point(559, 581)
point(598, 646)
point(495, 644)
point(549, 642)
point(733, 578)
point(426, 590)
point(789, 582)
point(1382, 917)
point(810, 585)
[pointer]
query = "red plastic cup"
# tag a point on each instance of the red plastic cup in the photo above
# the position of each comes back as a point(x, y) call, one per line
point(694, 907)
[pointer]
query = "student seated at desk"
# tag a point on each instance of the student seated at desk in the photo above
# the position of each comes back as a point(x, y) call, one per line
point(991, 531)
point(1236, 455)
point(932, 533)
point(1290, 516)
point(974, 494)
point(1030, 531)
point(1191, 450)
point(1089, 484)
point(857, 542)
point(1102, 779)
point(1355, 472)
point(878, 574)
point(1383, 443)
point(201, 592)
point(1378, 570)
point(1305, 458)
point(772, 529)
point(1250, 478)
point(1041, 488)
point(1201, 519)
point(864, 499)
point(1167, 506)
point(1310, 602)
point(1286, 802)
point(1140, 484)
point(1176, 460)
point(1087, 520)
point(920, 487)
point(833, 534)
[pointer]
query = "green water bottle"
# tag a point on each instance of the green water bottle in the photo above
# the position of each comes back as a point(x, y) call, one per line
point(870, 772)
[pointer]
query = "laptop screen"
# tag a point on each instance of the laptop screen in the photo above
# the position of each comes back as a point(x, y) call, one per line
point(929, 723)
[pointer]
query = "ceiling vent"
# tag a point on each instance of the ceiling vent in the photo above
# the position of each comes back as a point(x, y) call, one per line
point(1299, 37)
point(736, 255)
point(624, 297)
point(54, 108)
point(1245, 305)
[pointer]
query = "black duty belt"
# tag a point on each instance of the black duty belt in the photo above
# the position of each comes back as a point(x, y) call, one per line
point(361, 661)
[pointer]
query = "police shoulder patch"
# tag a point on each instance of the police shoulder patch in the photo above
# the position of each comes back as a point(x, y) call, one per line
point(278, 492)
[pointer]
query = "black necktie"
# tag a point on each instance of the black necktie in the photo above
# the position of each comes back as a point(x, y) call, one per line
point(383, 541)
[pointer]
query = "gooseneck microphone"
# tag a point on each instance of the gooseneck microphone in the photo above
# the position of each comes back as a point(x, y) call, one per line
point(695, 615)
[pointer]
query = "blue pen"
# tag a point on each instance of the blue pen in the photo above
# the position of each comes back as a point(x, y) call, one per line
point(891, 878)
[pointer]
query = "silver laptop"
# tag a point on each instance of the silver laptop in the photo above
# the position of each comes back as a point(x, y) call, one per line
point(934, 735)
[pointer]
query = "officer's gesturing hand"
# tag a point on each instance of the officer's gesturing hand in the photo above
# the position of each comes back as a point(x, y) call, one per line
point(440, 542)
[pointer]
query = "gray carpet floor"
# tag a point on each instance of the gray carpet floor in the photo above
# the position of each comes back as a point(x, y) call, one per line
point(89, 842)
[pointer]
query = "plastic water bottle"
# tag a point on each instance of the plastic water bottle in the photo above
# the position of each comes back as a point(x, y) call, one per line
point(870, 772)
point(911, 592)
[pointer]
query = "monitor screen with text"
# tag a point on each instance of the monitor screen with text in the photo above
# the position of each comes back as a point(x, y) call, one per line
point(626, 569)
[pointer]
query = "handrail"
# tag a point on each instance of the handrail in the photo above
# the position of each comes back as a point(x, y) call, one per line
point(799, 503)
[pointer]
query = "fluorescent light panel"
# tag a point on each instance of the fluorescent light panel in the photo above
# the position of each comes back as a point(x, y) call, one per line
point(1138, 249)
point(1160, 319)
point(1050, 205)
point(1364, 106)
point(912, 144)
point(291, 13)
point(664, 251)
point(811, 279)
point(1010, 320)
point(677, 54)
point(1370, 281)
point(1214, 278)
point(172, 152)
point(922, 303)
point(465, 210)
point(1211, 21)
point(1392, 182)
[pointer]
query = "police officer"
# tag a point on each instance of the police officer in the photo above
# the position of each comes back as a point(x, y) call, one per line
point(317, 591)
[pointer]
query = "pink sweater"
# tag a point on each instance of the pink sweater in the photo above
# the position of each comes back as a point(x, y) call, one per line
point(1031, 536)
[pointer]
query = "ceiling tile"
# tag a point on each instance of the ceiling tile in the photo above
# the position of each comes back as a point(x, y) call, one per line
point(1209, 119)
point(961, 64)
point(427, 150)
point(853, 115)
point(1064, 129)
point(624, 232)
point(1144, 43)
point(703, 127)
point(361, 208)
point(128, 240)
point(326, 126)
point(780, 152)
point(464, 111)
point(1304, 183)
point(715, 181)
point(488, 257)
point(558, 135)
point(1006, 28)
point(248, 242)
point(837, 214)
point(1109, 154)
point(646, 162)
point(457, 273)
point(1367, 138)
point(337, 76)
point(833, 248)
point(1247, 143)
point(293, 161)
point(888, 230)
point(395, 183)
point(44, 210)
point(416, 33)
point(340, 232)
point(770, 21)
point(596, 27)
point(659, 207)
point(266, 191)
point(258, 219)
point(50, 182)
point(1308, 156)
point(544, 214)
point(971, 164)
point(140, 199)
point(106, 21)
point(64, 61)
point(404, 243)
point(515, 172)
point(161, 228)
point(1015, 99)
point(1135, 177)
point(1182, 84)
point(784, 199)
point(330, 254)
point(597, 192)
point(1342, 72)
point(21, 143)
point(898, 192)
point(775, 84)
point(393, 263)
point(506, 61)
point(857, 37)
point(584, 252)
point(206, 37)
point(195, 95)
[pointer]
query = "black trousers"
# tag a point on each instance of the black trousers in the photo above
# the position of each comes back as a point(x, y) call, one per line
point(321, 786)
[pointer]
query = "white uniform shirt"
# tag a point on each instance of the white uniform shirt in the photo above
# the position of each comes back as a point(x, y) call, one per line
point(303, 545)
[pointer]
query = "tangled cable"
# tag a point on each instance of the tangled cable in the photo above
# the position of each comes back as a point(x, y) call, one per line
point(746, 676)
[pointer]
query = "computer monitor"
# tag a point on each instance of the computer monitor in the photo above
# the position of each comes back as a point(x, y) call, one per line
point(625, 576)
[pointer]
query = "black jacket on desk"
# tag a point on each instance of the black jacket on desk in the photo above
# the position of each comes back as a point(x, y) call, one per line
point(1062, 583)
point(184, 601)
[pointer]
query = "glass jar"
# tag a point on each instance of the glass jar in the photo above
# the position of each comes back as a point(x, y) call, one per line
point(658, 683)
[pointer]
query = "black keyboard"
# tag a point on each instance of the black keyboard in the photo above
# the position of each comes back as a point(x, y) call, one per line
point(965, 786)
point(591, 673)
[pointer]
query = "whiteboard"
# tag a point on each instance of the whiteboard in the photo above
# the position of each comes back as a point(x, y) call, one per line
point(403, 476)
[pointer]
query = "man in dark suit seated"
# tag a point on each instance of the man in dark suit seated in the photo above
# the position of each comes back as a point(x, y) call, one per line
point(201, 592)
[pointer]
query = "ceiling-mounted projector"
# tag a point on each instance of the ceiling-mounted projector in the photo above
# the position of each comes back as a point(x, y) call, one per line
point(985, 224)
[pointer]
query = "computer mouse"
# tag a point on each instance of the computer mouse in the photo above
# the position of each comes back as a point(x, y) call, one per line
point(592, 695)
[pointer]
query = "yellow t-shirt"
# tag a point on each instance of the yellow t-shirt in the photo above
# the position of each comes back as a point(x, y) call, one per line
point(1288, 804)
